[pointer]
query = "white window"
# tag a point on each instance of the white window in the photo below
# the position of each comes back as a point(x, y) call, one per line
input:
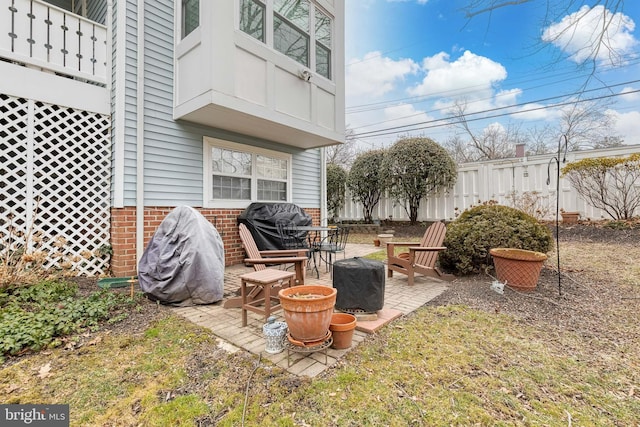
point(236, 174)
point(291, 29)
point(252, 18)
point(295, 24)
point(323, 44)
point(190, 16)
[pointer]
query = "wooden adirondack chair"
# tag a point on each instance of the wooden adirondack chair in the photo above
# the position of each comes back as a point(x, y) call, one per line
point(260, 259)
point(421, 257)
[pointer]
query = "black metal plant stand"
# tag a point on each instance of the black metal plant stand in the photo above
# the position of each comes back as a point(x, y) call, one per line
point(563, 141)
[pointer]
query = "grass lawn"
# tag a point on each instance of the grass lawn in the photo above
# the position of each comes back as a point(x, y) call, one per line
point(443, 365)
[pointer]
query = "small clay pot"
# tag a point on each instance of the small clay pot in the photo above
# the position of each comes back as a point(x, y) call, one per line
point(342, 327)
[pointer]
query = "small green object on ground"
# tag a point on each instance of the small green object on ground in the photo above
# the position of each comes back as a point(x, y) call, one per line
point(115, 282)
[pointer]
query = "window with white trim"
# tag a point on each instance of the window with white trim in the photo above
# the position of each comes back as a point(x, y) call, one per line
point(239, 172)
point(190, 16)
point(252, 18)
point(295, 24)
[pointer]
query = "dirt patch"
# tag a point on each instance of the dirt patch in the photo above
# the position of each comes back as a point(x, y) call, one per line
point(584, 298)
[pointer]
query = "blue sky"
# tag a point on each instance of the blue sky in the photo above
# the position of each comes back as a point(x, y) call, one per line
point(409, 61)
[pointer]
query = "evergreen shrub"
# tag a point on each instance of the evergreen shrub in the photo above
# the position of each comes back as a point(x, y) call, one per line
point(479, 229)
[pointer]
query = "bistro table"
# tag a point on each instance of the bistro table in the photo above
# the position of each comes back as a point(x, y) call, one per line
point(314, 237)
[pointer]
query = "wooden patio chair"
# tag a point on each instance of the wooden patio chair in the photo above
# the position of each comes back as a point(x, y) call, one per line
point(421, 258)
point(261, 259)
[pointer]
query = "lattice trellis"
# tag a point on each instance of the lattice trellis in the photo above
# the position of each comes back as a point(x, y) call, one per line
point(56, 164)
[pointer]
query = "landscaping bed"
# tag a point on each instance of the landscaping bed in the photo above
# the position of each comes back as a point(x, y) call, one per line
point(470, 357)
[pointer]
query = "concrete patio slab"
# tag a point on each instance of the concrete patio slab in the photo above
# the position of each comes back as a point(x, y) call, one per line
point(385, 316)
point(226, 323)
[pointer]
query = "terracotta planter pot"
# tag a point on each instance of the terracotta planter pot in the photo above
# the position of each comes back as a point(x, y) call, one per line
point(342, 327)
point(570, 217)
point(518, 268)
point(307, 311)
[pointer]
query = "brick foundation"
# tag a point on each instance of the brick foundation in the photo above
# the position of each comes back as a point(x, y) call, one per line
point(123, 234)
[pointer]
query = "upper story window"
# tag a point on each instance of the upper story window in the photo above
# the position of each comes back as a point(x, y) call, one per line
point(323, 44)
point(243, 173)
point(295, 23)
point(190, 16)
point(252, 18)
point(291, 29)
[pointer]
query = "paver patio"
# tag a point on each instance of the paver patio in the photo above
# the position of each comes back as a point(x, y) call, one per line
point(226, 323)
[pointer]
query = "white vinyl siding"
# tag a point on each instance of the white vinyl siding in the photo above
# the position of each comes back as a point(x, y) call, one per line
point(173, 150)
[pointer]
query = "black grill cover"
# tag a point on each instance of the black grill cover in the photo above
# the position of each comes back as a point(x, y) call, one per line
point(360, 284)
point(260, 219)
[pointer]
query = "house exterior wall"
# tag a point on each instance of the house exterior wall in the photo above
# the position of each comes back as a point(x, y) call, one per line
point(156, 161)
point(172, 150)
point(123, 240)
point(257, 90)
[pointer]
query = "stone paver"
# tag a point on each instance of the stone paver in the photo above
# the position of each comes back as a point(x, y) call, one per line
point(226, 323)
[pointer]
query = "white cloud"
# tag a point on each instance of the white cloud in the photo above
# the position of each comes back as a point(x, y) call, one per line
point(626, 125)
point(470, 75)
point(375, 75)
point(505, 98)
point(580, 35)
point(405, 114)
point(495, 127)
point(533, 111)
point(629, 95)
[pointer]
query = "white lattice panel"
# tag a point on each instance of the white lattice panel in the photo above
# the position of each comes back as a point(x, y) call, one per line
point(67, 180)
point(13, 166)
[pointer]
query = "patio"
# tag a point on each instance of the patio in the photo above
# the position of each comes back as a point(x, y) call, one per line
point(399, 300)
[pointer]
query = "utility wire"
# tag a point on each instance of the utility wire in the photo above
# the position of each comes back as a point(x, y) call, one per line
point(514, 105)
point(447, 121)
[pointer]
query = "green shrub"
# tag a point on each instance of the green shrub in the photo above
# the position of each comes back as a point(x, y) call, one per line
point(32, 316)
point(479, 229)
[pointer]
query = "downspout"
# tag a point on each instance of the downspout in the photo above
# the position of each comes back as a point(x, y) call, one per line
point(140, 133)
point(323, 186)
point(119, 99)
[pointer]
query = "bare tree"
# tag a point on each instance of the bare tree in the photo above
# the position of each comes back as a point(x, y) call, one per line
point(494, 142)
point(541, 139)
point(586, 124)
point(342, 154)
point(605, 15)
point(459, 149)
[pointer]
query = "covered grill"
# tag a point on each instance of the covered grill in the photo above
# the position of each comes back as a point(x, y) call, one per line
point(183, 263)
point(360, 284)
point(260, 219)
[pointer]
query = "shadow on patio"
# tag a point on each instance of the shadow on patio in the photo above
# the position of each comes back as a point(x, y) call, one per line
point(399, 299)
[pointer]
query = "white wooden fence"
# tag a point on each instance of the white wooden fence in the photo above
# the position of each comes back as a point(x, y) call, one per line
point(499, 180)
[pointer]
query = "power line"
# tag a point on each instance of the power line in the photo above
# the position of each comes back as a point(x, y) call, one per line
point(518, 105)
point(449, 120)
point(501, 108)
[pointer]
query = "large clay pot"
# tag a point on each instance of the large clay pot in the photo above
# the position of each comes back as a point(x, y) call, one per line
point(518, 268)
point(570, 217)
point(307, 311)
point(342, 327)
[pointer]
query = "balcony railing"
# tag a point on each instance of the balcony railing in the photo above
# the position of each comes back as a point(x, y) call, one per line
point(36, 33)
